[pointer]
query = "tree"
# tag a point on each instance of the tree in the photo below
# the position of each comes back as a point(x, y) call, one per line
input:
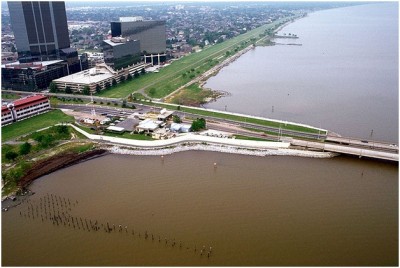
point(86, 90)
point(63, 130)
point(25, 148)
point(176, 119)
point(199, 123)
point(178, 108)
point(68, 90)
point(10, 156)
point(53, 87)
point(45, 140)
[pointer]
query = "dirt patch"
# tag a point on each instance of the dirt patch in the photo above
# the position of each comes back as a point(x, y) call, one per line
point(56, 162)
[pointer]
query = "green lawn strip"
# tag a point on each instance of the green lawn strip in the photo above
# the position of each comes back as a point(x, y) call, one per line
point(241, 137)
point(10, 96)
point(242, 119)
point(72, 100)
point(192, 61)
point(35, 123)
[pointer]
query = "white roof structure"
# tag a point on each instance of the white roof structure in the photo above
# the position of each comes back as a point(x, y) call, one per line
point(164, 113)
point(93, 75)
point(117, 129)
point(30, 65)
point(149, 125)
point(113, 43)
point(175, 127)
point(130, 19)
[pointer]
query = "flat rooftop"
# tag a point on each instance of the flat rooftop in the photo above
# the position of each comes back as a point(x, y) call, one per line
point(93, 75)
point(19, 65)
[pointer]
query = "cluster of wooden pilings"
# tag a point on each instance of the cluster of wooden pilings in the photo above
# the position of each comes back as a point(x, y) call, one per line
point(57, 210)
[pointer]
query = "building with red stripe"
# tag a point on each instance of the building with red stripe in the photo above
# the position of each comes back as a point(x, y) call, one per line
point(23, 108)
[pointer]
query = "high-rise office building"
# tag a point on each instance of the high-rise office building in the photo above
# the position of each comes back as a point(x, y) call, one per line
point(40, 29)
point(151, 35)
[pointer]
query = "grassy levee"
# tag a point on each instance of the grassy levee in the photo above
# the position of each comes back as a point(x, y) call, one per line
point(237, 118)
point(34, 123)
point(171, 77)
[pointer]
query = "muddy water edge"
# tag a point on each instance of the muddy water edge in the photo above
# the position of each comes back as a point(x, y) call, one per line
point(181, 210)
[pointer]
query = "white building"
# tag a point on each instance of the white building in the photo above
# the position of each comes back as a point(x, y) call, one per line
point(23, 108)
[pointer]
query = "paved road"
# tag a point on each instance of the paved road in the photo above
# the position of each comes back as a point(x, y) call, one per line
point(237, 128)
point(145, 108)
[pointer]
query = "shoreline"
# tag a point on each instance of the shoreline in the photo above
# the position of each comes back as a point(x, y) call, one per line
point(50, 165)
point(228, 61)
point(128, 150)
point(64, 160)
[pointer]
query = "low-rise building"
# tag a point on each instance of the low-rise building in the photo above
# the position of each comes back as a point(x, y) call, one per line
point(165, 115)
point(148, 125)
point(180, 128)
point(23, 108)
point(100, 76)
point(32, 76)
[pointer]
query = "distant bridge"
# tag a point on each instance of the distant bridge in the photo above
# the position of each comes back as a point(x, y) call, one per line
point(360, 148)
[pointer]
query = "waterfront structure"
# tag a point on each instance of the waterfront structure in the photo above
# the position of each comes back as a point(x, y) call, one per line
point(24, 108)
point(121, 52)
point(148, 125)
point(97, 78)
point(165, 115)
point(151, 34)
point(40, 29)
point(32, 76)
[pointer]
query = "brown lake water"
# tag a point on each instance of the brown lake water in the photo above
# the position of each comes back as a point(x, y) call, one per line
point(250, 210)
point(344, 77)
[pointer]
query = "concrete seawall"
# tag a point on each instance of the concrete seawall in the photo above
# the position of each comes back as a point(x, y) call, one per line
point(200, 143)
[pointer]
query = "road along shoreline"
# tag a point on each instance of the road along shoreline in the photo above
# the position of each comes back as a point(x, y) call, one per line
point(200, 143)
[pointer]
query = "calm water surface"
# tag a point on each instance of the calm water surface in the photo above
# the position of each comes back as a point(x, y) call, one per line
point(250, 210)
point(343, 78)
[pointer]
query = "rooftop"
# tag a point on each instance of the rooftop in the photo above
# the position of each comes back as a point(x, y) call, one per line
point(25, 101)
point(93, 75)
point(32, 65)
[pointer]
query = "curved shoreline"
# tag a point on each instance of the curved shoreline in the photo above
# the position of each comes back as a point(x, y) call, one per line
point(127, 150)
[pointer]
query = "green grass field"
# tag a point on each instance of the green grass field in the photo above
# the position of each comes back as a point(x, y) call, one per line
point(193, 65)
point(29, 125)
point(242, 119)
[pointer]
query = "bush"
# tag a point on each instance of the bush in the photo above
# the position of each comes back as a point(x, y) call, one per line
point(25, 148)
point(176, 119)
point(10, 156)
point(199, 123)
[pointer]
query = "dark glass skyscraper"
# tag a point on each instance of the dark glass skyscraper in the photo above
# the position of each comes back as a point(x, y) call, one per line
point(40, 29)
